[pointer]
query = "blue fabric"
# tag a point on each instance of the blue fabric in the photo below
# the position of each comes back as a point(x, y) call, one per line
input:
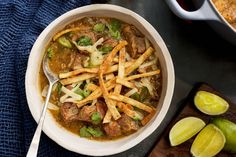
point(21, 21)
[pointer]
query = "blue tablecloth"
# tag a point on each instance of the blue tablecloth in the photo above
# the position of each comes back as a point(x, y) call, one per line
point(21, 21)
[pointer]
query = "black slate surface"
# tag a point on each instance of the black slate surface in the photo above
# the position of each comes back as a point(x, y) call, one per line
point(198, 53)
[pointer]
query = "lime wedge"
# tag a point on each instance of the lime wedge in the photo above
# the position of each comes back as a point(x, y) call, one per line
point(229, 130)
point(210, 104)
point(185, 129)
point(209, 142)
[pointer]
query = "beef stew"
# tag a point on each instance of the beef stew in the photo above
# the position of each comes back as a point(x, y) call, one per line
point(110, 78)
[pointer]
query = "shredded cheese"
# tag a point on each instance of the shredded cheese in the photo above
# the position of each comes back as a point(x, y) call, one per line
point(64, 97)
point(71, 94)
point(147, 64)
point(131, 92)
point(70, 100)
point(146, 82)
point(96, 57)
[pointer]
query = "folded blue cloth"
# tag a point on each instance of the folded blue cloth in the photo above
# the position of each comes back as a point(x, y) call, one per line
point(21, 21)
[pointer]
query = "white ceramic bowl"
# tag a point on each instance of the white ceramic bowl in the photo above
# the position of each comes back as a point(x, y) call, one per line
point(209, 13)
point(67, 139)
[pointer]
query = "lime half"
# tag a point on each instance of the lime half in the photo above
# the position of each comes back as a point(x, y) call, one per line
point(210, 104)
point(209, 142)
point(185, 129)
point(229, 130)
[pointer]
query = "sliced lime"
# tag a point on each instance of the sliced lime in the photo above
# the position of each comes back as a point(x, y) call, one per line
point(210, 104)
point(229, 130)
point(185, 129)
point(209, 142)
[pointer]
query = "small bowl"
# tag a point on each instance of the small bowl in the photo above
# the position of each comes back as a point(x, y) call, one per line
point(72, 141)
point(209, 13)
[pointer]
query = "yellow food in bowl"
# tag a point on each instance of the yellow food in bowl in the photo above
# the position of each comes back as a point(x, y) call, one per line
point(227, 9)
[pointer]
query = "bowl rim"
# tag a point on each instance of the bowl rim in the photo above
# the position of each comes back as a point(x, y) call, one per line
point(169, 85)
point(221, 17)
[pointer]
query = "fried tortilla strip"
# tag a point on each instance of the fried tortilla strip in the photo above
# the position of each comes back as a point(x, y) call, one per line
point(107, 62)
point(156, 72)
point(131, 102)
point(125, 83)
point(103, 68)
point(78, 71)
point(147, 118)
point(118, 87)
point(112, 108)
point(110, 104)
point(131, 92)
point(150, 63)
point(92, 87)
point(115, 67)
point(67, 31)
point(109, 76)
point(81, 77)
point(139, 61)
point(111, 69)
point(121, 70)
point(116, 60)
point(107, 117)
point(131, 113)
point(96, 93)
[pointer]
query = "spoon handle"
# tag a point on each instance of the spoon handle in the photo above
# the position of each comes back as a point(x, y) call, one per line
point(33, 149)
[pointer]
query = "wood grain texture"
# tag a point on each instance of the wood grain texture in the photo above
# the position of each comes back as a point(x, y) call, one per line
point(163, 148)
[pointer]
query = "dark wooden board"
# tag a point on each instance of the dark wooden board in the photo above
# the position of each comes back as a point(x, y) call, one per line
point(163, 148)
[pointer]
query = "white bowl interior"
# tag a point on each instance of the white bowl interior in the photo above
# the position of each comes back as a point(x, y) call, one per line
point(69, 140)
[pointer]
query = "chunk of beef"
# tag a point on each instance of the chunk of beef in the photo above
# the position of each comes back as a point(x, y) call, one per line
point(136, 41)
point(101, 108)
point(86, 113)
point(70, 87)
point(110, 41)
point(78, 61)
point(127, 124)
point(112, 129)
point(139, 44)
point(69, 112)
point(155, 81)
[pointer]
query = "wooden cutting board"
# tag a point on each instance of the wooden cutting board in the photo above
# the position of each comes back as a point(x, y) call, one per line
point(163, 148)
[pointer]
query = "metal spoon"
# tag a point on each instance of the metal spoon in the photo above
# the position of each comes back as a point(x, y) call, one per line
point(52, 78)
